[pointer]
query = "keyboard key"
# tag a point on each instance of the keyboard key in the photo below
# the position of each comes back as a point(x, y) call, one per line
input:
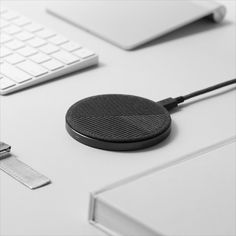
point(45, 33)
point(24, 36)
point(15, 44)
point(4, 52)
point(57, 39)
point(5, 38)
point(65, 57)
point(14, 73)
point(70, 46)
point(11, 29)
point(32, 68)
point(83, 53)
point(37, 42)
point(5, 83)
point(49, 48)
point(33, 27)
point(10, 15)
point(21, 21)
point(40, 57)
point(14, 58)
point(27, 51)
point(53, 64)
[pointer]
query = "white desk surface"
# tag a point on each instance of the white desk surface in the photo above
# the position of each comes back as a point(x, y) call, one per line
point(33, 121)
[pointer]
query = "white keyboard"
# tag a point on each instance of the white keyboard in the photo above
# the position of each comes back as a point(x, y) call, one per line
point(30, 53)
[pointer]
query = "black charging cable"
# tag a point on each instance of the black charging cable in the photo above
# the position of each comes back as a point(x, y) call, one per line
point(170, 103)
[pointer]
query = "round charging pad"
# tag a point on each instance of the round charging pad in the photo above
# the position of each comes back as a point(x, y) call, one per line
point(118, 122)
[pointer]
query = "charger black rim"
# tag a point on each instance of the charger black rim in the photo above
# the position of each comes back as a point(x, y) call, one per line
point(118, 122)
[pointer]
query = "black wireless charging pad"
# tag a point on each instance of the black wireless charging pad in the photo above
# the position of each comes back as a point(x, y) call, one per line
point(118, 122)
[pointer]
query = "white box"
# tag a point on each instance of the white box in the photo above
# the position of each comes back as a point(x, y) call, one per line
point(195, 196)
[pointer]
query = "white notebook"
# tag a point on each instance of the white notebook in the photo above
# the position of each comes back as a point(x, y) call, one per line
point(192, 197)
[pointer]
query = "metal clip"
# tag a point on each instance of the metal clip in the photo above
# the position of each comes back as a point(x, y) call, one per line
point(19, 170)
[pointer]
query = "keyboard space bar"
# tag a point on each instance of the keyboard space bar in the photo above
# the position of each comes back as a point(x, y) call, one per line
point(14, 73)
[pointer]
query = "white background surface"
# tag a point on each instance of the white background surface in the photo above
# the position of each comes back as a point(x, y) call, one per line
point(32, 121)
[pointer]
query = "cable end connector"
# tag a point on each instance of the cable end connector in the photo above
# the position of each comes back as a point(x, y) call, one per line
point(171, 103)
